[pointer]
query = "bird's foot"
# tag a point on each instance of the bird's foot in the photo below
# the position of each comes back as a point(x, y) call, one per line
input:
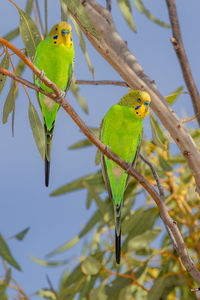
point(62, 96)
point(42, 74)
point(107, 148)
point(129, 167)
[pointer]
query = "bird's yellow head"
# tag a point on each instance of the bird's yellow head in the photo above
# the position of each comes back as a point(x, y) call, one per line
point(61, 34)
point(139, 100)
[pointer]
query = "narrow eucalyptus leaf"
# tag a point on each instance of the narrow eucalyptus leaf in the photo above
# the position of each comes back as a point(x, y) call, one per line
point(5, 253)
point(29, 6)
point(65, 247)
point(141, 8)
point(10, 102)
point(37, 129)
point(125, 7)
point(92, 179)
point(172, 98)
point(143, 240)
point(3, 295)
point(29, 33)
point(78, 10)
point(164, 164)
point(49, 263)
point(157, 133)
point(165, 283)
point(4, 64)
point(11, 35)
point(47, 294)
point(80, 144)
point(21, 235)
point(90, 266)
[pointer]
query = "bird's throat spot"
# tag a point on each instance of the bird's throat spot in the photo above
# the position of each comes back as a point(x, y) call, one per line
point(117, 171)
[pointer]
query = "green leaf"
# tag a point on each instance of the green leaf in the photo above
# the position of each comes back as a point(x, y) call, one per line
point(116, 285)
point(74, 88)
point(6, 254)
point(65, 247)
point(80, 144)
point(29, 33)
point(157, 133)
point(165, 283)
point(10, 102)
point(125, 7)
point(98, 157)
point(47, 294)
point(91, 223)
point(64, 11)
point(164, 164)
point(49, 263)
point(37, 129)
point(171, 98)
point(11, 35)
point(92, 179)
point(20, 236)
point(138, 223)
point(89, 283)
point(75, 276)
point(29, 6)
point(90, 266)
point(3, 292)
point(78, 10)
point(143, 240)
point(83, 46)
point(4, 64)
point(140, 7)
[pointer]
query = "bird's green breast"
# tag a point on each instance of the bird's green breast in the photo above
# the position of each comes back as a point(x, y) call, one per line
point(121, 132)
point(56, 62)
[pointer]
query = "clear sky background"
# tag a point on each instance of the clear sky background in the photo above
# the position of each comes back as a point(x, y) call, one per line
point(24, 200)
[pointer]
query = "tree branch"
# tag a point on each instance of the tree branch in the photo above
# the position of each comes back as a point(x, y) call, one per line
point(115, 51)
point(182, 57)
point(102, 82)
point(168, 221)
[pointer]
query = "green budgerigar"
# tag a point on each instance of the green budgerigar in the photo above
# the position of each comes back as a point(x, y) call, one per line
point(121, 130)
point(55, 57)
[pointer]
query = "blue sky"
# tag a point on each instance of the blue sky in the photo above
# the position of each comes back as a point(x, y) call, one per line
point(25, 201)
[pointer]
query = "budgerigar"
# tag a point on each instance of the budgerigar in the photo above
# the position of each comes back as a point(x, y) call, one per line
point(121, 130)
point(55, 57)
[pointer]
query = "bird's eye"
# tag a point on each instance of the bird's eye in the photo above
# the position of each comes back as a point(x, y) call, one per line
point(146, 103)
point(138, 100)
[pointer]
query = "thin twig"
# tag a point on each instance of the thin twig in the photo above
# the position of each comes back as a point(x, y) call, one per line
point(102, 82)
point(155, 175)
point(182, 57)
point(162, 195)
point(189, 119)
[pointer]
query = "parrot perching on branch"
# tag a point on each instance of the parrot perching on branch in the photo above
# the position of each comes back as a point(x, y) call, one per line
point(121, 131)
point(55, 57)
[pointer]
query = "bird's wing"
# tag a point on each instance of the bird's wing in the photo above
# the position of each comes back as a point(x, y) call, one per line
point(70, 74)
point(136, 156)
point(104, 169)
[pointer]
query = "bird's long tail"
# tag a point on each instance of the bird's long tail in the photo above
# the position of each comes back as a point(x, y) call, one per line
point(48, 139)
point(118, 233)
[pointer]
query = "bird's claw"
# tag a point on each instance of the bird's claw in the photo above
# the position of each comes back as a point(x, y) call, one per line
point(107, 148)
point(62, 95)
point(42, 74)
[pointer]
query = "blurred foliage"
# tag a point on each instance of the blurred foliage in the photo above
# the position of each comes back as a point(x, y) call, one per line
point(147, 271)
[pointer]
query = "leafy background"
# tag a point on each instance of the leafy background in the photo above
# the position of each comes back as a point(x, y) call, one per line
point(53, 221)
